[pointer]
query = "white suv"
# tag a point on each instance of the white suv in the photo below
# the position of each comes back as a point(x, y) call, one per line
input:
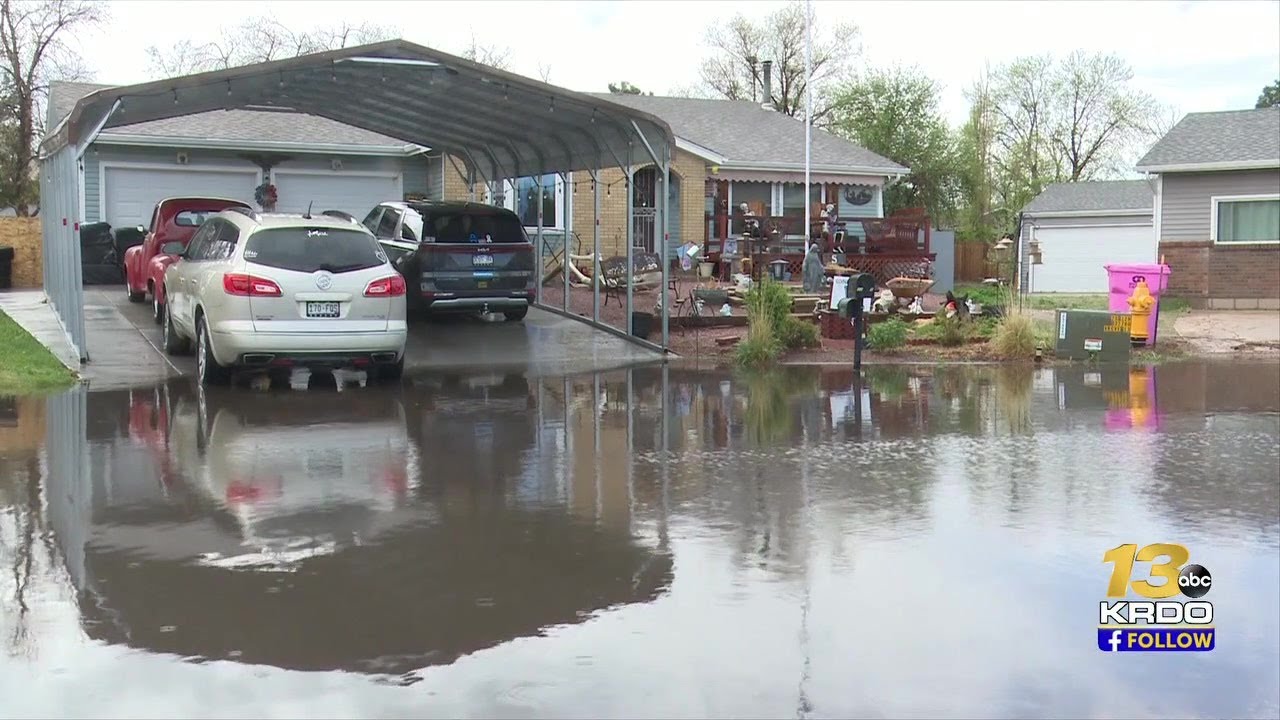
point(263, 291)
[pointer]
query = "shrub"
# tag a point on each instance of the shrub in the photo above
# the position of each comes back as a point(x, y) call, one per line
point(770, 327)
point(887, 335)
point(1015, 337)
point(952, 331)
point(796, 333)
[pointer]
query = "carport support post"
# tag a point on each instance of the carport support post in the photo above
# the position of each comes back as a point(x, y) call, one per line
point(595, 247)
point(628, 222)
point(565, 182)
point(542, 260)
point(664, 202)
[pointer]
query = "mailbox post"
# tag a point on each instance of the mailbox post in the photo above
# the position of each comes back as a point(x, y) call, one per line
point(862, 288)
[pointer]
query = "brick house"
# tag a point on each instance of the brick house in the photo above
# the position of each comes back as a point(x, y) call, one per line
point(1217, 207)
point(728, 152)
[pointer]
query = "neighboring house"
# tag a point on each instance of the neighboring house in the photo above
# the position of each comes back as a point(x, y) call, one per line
point(1217, 207)
point(728, 152)
point(223, 153)
point(1083, 226)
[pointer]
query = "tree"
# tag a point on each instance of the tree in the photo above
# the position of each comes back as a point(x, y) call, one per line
point(626, 88)
point(1270, 96)
point(256, 40)
point(1098, 117)
point(740, 46)
point(491, 55)
point(33, 39)
point(895, 113)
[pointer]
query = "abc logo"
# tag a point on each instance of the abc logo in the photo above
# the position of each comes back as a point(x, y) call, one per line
point(1194, 581)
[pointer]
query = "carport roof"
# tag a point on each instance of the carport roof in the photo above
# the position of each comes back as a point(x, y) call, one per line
point(503, 124)
point(247, 128)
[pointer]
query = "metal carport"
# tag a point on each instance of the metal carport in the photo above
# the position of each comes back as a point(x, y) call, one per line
point(503, 126)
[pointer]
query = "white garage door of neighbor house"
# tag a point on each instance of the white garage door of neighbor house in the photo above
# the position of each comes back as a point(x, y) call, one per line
point(354, 194)
point(130, 193)
point(1073, 258)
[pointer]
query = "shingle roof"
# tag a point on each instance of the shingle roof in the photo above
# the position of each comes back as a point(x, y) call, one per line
point(256, 125)
point(1088, 196)
point(1235, 136)
point(744, 132)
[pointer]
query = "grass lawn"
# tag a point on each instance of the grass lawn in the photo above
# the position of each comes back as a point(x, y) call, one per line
point(26, 366)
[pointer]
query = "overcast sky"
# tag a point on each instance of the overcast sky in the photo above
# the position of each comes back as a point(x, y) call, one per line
point(1193, 56)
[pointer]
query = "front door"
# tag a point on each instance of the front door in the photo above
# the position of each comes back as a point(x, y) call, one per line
point(644, 211)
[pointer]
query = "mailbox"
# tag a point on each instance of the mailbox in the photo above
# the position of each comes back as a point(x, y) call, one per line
point(862, 289)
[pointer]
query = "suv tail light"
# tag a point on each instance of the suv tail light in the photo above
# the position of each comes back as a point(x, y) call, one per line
point(390, 286)
point(250, 285)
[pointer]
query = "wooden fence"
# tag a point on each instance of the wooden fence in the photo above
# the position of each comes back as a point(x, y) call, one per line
point(23, 235)
point(971, 262)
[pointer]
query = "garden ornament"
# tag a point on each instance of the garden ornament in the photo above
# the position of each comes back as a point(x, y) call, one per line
point(813, 273)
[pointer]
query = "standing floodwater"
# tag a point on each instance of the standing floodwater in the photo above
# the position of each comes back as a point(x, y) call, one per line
point(658, 542)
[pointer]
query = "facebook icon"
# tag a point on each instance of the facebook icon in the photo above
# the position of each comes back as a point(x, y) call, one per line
point(1114, 640)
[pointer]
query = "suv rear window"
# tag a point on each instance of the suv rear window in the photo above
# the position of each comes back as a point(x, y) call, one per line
point(310, 249)
point(464, 227)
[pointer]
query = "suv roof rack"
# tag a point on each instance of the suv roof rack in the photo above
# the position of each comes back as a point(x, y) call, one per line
point(248, 212)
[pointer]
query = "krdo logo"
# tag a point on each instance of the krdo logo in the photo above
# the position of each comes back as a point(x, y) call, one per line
point(1159, 622)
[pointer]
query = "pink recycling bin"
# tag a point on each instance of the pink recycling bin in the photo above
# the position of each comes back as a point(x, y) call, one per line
point(1122, 279)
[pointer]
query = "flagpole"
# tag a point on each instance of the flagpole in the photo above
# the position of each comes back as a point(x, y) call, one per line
point(808, 119)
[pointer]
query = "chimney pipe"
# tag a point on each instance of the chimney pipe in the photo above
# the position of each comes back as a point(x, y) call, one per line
point(767, 69)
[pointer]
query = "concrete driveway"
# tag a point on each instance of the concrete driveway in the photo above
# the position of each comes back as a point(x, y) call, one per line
point(124, 344)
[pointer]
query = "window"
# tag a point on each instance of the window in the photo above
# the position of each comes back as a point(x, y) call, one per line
point(371, 220)
point(793, 198)
point(310, 249)
point(521, 196)
point(387, 225)
point(474, 227)
point(224, 245)
point(1246, 219)
point(200, 241)
point(757, 196)
point(411, 228)
point(192, 218)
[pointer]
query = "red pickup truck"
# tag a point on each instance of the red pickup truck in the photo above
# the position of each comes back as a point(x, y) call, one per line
point(172, 220)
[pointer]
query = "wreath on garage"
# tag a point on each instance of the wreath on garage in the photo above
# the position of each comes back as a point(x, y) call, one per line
point(265, 196)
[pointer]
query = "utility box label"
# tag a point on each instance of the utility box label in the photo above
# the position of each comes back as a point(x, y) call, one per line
point(1093, 345)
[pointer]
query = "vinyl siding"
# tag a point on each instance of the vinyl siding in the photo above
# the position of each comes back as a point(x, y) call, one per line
point(1046, 222)
point(847, 209)
point(413, 169)
point(1185, 207)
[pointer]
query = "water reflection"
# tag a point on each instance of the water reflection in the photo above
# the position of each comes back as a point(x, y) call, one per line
point(659, 539)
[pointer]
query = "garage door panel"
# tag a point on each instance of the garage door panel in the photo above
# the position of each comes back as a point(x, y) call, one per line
point(1074, 257)
point(354, 194)
point(130, 193)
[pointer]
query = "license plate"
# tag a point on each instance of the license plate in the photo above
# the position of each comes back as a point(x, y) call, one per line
point(324, 309)
point(481, 259)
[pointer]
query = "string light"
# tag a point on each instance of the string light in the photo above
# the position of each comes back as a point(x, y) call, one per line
point(553, 104)
point(228, 88)
point(175, 96)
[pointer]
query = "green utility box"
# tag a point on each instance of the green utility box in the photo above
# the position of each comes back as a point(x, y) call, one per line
point(1092, 334)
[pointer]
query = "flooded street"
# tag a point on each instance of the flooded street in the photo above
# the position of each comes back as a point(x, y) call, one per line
point(923, 542)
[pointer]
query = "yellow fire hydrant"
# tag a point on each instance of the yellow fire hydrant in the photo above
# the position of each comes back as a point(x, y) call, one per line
point(1140, 305)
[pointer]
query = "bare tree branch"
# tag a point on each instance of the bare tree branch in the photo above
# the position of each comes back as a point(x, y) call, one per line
point(33, 38)
point(734, 69)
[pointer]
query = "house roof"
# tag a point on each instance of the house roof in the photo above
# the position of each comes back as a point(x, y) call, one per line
point(744, 134)
point(1098, 197)
point(1231, 140)
point(249, 126)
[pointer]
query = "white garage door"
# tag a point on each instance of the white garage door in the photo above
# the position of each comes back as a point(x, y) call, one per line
point(354, 194)
point(130, 193)
point(1074, 257)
